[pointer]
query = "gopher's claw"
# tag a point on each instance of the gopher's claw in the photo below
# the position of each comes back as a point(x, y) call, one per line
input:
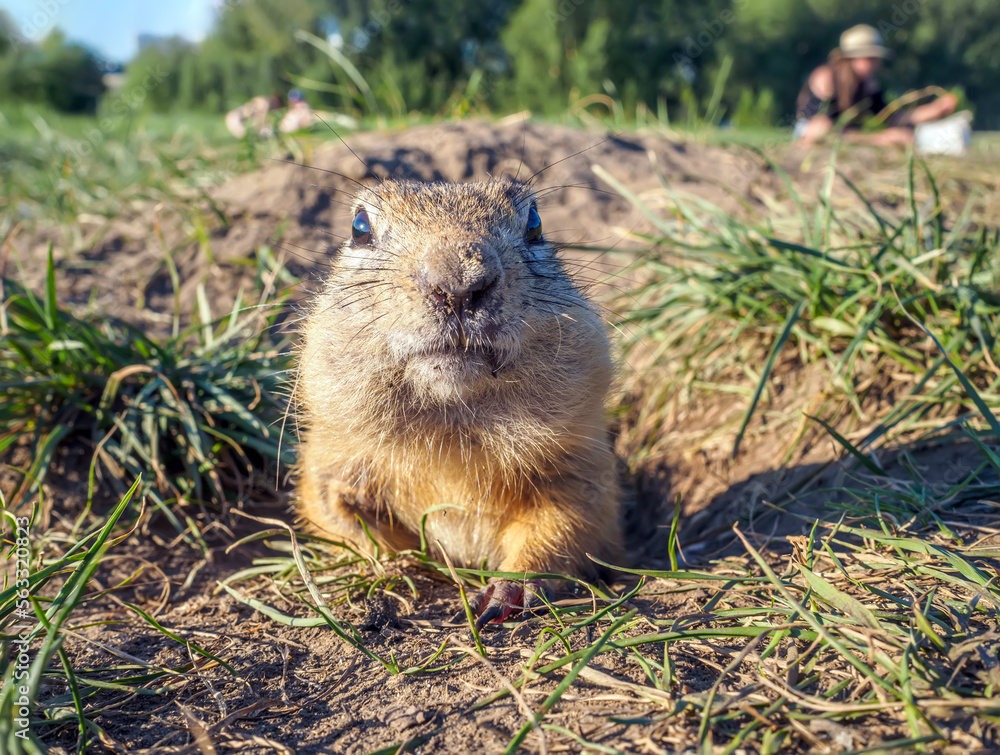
point(503, 597)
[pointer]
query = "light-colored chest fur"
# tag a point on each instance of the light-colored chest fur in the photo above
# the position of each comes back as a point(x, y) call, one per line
point(460, 508)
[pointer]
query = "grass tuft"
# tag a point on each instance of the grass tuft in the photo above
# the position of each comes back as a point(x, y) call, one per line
point(853, 291)
point(194, 413)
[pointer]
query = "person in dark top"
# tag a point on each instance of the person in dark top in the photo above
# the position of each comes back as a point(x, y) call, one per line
point(845, 91)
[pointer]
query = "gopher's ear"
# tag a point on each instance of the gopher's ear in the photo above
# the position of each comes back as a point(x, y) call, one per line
point(516, 192)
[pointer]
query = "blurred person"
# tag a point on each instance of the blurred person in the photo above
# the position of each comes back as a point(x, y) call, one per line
point(844, 91)
point(253, 114)
point(299, 116)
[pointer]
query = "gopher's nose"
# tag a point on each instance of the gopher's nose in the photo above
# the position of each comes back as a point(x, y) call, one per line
point(460, 296)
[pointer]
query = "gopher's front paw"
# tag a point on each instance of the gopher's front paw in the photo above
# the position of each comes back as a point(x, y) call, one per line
point(503, 597)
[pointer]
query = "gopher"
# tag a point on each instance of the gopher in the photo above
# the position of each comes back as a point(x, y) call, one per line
point(452, 378)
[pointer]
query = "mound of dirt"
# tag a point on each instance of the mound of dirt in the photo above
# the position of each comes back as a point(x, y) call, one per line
point(304, 210)
point(577, 207)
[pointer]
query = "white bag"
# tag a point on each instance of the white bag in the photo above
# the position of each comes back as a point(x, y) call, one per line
point(948, 136)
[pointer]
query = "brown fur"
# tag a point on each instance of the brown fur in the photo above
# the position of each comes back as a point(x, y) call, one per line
point(491, 424)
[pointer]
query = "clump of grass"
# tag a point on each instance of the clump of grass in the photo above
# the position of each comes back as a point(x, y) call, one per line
point(196, 413)
point(44, 692)
point(854, 291)
point(32, 624)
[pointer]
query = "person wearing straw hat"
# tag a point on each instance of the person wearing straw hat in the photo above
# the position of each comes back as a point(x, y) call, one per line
point(846, 90)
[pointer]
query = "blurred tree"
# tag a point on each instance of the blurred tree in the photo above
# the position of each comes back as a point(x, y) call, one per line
point(251, 51)
point(9, 36)
point(587, 62)
point(426, 50)
point(63, 76)
point(955, 43)
point(537, 53)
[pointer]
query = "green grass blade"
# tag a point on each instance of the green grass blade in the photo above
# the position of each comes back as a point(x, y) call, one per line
point(772, 358)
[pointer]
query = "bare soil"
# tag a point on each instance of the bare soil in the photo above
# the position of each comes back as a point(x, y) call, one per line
point(302, 689)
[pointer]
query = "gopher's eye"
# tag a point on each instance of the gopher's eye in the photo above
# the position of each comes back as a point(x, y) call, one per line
point(533, 231)
point(361, 229)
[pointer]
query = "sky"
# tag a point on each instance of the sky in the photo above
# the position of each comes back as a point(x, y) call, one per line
point(111, 27)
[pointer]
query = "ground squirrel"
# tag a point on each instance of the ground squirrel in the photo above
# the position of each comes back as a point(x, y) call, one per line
point(452, 376)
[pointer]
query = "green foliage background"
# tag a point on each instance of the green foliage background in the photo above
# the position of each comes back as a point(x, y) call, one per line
point(443, 56)
point(64, 76)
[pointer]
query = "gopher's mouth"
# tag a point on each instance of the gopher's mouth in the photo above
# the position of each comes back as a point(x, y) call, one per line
point(449, 375)
point(458, 361)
